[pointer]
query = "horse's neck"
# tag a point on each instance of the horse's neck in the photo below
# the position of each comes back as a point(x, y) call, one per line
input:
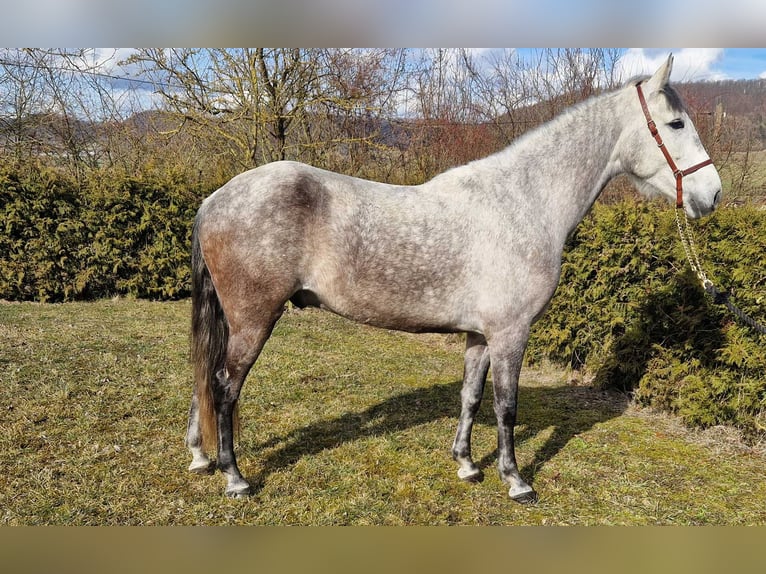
point(568, 161)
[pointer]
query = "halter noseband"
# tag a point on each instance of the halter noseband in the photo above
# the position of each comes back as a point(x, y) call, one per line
point(656, 134)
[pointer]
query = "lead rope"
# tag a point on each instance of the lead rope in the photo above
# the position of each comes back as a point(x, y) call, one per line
point(720, 298)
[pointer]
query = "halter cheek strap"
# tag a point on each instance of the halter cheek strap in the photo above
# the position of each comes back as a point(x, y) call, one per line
point(656, 135)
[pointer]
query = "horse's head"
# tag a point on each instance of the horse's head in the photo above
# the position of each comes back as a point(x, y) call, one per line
point(682, 170)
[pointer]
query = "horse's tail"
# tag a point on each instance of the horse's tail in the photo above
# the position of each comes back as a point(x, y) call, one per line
point(209, 337)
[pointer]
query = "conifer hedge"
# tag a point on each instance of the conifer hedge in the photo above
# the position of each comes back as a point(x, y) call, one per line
point(628, 310)
point(61, 240)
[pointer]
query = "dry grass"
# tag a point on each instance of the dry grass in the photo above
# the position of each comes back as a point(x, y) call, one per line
point(744, 177)
point(343, 424)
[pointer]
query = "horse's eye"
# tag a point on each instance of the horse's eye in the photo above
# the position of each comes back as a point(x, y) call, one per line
point(677, 124)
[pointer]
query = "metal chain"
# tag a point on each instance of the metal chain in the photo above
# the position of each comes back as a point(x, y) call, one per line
point(719, 297)
point(687, 240)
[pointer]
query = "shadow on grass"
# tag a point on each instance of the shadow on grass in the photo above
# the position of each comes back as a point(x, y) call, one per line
point(570, 410)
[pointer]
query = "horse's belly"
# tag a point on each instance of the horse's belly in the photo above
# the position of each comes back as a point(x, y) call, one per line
point(388, 310)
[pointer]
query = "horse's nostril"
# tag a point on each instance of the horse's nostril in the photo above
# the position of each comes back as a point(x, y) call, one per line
point(717, 198)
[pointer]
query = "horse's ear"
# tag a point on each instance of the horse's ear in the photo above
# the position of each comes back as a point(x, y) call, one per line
point(662, 75)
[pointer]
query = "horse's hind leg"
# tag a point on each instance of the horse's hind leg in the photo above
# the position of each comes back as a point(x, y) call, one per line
point(474, 377)
point(200, 463)
point(244, 346)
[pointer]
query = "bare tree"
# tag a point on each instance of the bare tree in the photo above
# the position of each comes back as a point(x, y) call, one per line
point(350, 120)
point(22, 104)
point(266, 104)
point(56, 105)
point(446, 124)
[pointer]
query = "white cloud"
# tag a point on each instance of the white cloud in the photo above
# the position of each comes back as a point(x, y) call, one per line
point(110, 59)
point(689, 64)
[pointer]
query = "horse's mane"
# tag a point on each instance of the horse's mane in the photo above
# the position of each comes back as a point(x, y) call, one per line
point(675, 101)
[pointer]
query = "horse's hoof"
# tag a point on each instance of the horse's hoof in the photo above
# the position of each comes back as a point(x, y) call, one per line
point(239, 492)
point(239, 489)
point(523, 497)
point(202, 467)
point(470, 475)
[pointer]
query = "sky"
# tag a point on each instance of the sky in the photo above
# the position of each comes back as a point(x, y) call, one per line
point(690, 64)
point(693, 64)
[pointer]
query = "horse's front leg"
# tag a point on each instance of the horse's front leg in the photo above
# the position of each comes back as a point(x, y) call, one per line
point(507, 351)
point(474, 377)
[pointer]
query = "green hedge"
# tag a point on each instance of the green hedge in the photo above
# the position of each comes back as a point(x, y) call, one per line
point(63, 241)
point(630, 312)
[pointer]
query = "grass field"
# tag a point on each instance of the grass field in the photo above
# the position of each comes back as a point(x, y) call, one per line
point(744, 177)
point(342, 424)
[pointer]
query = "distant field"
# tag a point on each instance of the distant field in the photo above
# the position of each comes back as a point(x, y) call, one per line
point(342, 424)
point(744, 176)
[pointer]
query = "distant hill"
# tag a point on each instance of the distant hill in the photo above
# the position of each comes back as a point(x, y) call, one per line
point(741, 105)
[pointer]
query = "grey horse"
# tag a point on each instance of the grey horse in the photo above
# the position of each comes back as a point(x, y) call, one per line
point(477, 249)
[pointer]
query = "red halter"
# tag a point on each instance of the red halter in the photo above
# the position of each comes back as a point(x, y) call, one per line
point(656, 134)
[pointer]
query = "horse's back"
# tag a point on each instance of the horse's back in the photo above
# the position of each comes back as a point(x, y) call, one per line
point(263, 188)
